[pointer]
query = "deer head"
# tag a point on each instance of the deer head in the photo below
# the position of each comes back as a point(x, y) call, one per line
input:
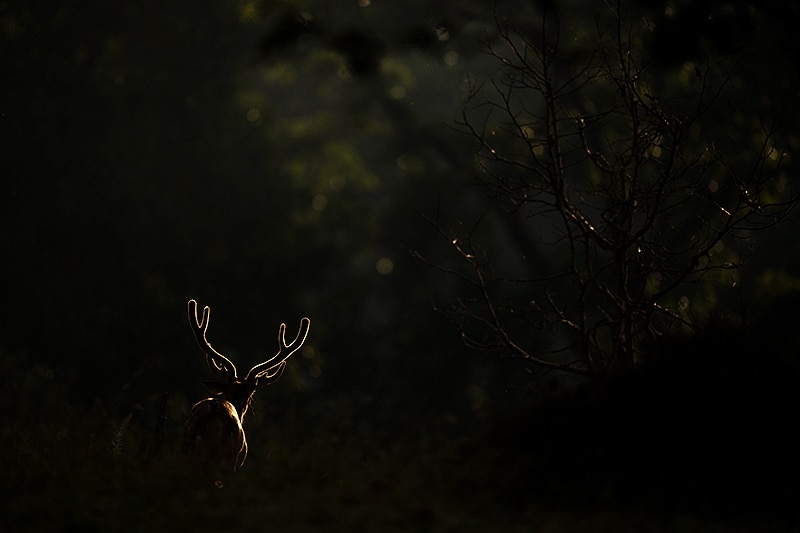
point(214, 430)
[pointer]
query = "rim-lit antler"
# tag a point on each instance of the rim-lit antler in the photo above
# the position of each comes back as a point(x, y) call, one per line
point(278, 361)
point(213, 434)
point(220, 364)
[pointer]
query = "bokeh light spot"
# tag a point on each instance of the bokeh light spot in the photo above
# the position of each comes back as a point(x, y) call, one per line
point(385, 266)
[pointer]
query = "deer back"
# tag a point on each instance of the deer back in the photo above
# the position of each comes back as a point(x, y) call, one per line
point(213, 434)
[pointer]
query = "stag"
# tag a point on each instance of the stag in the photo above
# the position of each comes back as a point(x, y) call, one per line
point(213, 433)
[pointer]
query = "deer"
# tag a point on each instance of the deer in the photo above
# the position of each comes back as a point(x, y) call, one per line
point(214, 432)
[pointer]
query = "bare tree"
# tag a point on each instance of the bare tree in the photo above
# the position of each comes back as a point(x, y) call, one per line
point(617, 207)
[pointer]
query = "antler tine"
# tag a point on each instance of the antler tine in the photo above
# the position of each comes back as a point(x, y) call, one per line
point(219, 364)
point(284, 350)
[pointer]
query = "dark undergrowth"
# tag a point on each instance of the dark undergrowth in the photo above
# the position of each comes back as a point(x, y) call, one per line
point(664, 450)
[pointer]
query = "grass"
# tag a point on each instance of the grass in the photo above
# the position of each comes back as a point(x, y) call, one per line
point(560, 467)
point(315, 484)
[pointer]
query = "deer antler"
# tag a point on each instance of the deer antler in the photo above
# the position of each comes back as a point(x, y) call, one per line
point(278, 361)
point(221, 365)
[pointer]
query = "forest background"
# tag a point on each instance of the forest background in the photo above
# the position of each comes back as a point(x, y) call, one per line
point(276, 160)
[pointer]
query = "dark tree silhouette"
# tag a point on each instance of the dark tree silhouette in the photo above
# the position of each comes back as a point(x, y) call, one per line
point(622, 203)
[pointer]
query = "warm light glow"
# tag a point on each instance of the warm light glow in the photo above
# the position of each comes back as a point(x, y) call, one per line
point(249, 13)
point(253, 114)
point(384, 266)
point(398, 92)
point(319, 202)
point(773, 154)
